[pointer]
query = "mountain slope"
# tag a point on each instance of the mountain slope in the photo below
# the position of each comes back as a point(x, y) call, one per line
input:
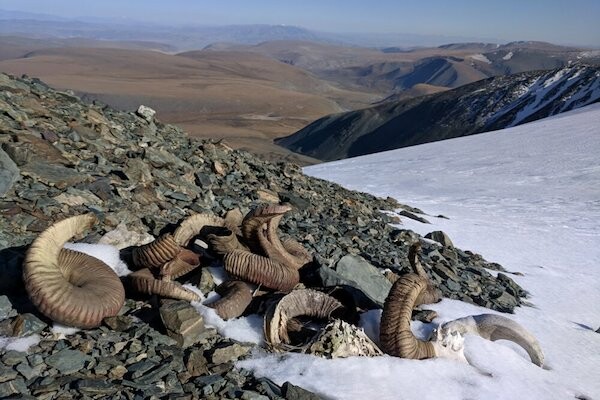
point(490, 104)
point(527, 196)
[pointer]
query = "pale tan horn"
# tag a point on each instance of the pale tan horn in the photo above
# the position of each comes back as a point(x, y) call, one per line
point(68, 286)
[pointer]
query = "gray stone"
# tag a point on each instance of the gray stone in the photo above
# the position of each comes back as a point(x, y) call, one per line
point(119, 323)
point(250, 395)
point(410, 215)
point(68, 361)
point(196, 363)
point(7, 373)
point(13, 387)
point(229, 353)
point(96, 386)
point(440, 237)
point(140, 368)
point(27, 324)
point(6, 309)
point(292, 392)
point(9, 173)
point(13, 357)
point(54, 175)
point(146, 112)
point(368, 278)
point(182, 321)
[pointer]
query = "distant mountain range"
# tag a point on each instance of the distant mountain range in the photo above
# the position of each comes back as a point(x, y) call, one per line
point(489, 104)
point(193, 37)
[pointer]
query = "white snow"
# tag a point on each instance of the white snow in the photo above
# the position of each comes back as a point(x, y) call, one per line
point(480, 57)
point(527, 197)
point(107, 253)
point(243, 329)
point(19, 343)
point(508, 56)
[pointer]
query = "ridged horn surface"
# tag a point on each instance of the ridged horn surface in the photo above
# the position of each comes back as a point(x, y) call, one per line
point(192, 225)
point(67, 286)
point(300, 302)
point(224, 241)
point(259, 229)
point(186, 261)
point(496, 327)
point(235, 298)
point(155, 254)
point(143, 281)
point(233, 220)
point(395, 336)
point(431, 294)
point(260, 270)
point(297, 250)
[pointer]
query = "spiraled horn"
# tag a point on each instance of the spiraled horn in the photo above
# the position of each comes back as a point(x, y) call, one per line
point(223, 241)
point(395, 336)
point(297, 250)
point(310, 303)
point(192, 225)
point(260, 270)
point(186, 261)
point(155, 254)
point(259, 229)
point(143, 281)
point(496, 327)
point(68, 286)
point(235, 298)
point(432, 294)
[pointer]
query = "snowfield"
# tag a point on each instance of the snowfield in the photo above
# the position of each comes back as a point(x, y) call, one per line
point(526, 197)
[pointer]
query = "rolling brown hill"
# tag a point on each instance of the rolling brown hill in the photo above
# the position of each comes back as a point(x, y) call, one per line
point(219, 95)
point(252, 94)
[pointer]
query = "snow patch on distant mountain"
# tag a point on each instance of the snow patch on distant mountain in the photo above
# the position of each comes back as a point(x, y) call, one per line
point(480, 57)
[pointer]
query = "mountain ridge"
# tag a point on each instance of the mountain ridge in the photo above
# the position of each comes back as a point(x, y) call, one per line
point(490, 104)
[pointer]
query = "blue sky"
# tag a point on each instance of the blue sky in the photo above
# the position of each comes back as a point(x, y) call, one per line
point(574, 21)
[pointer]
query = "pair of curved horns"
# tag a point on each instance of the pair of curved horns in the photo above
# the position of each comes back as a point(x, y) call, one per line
point(259, 229)
point(397, 339)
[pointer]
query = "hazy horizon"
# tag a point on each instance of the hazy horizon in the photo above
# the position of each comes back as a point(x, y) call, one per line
point(551, 21)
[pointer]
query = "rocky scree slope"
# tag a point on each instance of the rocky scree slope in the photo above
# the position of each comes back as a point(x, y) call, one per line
point(61, 157)
point(486, 105)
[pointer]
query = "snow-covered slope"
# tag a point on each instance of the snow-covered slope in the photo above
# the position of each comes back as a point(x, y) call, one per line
point(527, 197)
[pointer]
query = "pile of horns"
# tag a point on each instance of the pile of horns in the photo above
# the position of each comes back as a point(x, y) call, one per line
point(75, 289)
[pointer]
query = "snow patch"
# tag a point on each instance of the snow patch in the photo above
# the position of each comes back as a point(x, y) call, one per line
point(480, 57)
point(243, 329)
point(21, 344)
point(508, 56)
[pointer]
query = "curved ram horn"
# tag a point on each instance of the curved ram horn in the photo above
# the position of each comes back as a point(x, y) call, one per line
point(396, 337)
point(68, 286)
point(143, 281)
point(235, 298)
point(260, 270)
point(259, 229)
point(192, 225)
point(432, 294)
point(233, 220)
point(223, 241)
point(300, 302)
point(297, 250)
point(496, 327)
point(155, 254)
point(184, 262)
